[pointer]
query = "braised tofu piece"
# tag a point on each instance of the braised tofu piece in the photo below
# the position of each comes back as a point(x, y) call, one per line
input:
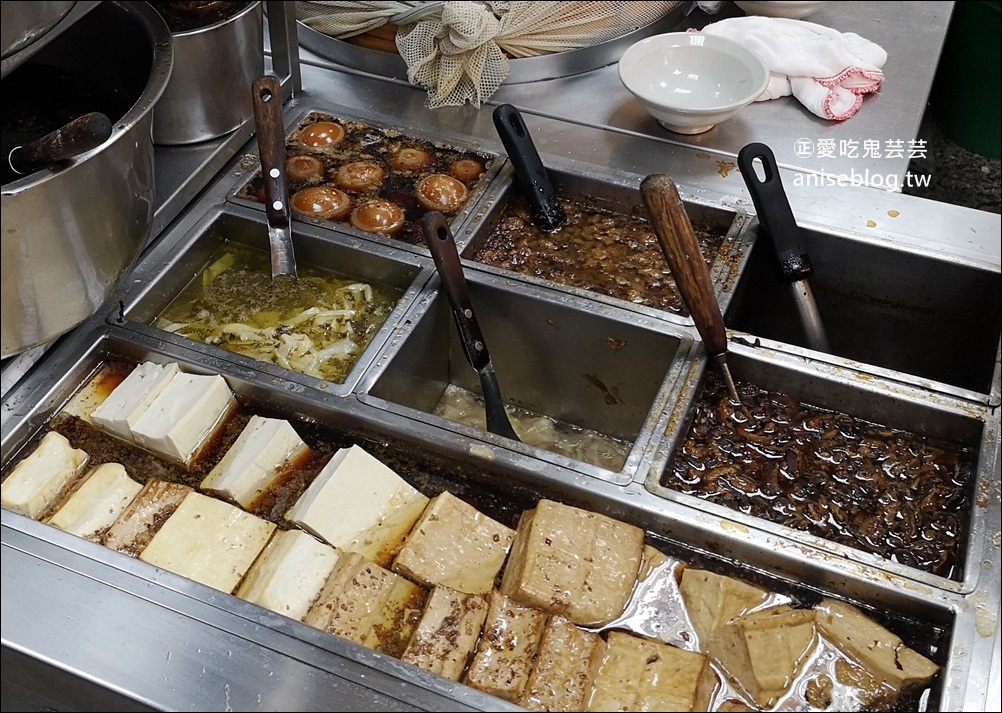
point(143, 517)
point(881, 653)
point(507, 648)
point(289, 574)
point(39, 481)
point(119, 412)
point(572, 562)
point(357, 504)
point(646, 675)
point(712, 600)
point(447, 632)
point(95, 505)
point(565, 666)
point(209, 541)
point(182, 417)
point(454, 545)
point(764, 651)
point(364, 603)
point(266, 449)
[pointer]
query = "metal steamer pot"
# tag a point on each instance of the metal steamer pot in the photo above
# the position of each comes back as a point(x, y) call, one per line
point(69, 232)
point(21, 23)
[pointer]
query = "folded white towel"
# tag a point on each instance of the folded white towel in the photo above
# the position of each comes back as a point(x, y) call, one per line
point(828, 71)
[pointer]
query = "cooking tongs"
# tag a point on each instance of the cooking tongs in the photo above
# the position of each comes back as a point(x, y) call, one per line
point(267, 100)
point(439, 238)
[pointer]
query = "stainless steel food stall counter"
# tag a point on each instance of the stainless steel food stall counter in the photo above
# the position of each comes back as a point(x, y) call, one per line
point(84, 627)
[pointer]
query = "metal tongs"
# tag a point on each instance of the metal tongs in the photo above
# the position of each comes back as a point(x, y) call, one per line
point(439, 238)
point(267, 100)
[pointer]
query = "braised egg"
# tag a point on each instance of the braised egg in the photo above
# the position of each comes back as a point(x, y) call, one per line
point(409, 159)
point(442, 193)
point(322, 134)
point(466, 169)
point(324, 202)
point(359, 175)
point(378, 216)
point(305, 169)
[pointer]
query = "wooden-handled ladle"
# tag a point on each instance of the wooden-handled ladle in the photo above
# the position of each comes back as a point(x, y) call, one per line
point(678, 243)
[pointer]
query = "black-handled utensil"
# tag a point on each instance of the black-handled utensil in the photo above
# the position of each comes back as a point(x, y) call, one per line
point(777, 221)
point(544, 206)
point(267, 100)
point(681, 250)
point(439, 238)
point(78, 136)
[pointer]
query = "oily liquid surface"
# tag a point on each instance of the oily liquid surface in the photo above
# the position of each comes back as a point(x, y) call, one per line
point(614, 254)
point(317, 325)
point(885, 491)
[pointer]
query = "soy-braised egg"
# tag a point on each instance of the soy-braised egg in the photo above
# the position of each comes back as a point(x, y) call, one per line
point(324, 202)
point(306, 169)
point(322, 134)
point(359, 175)
point(378, 216)
point(409, 159)
point(466, 169)
point(442, 193)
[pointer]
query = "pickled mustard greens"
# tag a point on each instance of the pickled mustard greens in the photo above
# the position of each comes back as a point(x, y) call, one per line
point(317, 325)
point(581, 444)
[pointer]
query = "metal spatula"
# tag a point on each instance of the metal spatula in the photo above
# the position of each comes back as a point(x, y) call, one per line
point(439, 238)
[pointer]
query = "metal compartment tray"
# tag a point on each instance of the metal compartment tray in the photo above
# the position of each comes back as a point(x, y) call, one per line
point(177, 627)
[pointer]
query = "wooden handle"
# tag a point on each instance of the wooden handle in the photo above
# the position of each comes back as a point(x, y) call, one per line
point(80, 135)
point(678, 242)
point(267, 101)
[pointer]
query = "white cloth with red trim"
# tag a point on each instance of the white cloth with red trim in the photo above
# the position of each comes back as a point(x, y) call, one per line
point(828, 71)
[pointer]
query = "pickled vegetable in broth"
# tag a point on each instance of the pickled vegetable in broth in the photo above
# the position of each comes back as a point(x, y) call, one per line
point(317, 325)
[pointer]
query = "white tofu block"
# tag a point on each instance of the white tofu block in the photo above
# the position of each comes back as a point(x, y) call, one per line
point(447, 632)
point(507, 648)
point(454, 545)
point(92, 508)
point(764, 651)
point(289, 574)
point(882, 653)
point(143, 517)
point(183, 416)
point(130, 399)
point(566, 663)
point(357, 504)
point(646, 675)
point(37, 482)
point(364, 603)
point(266, 449)
point(95, 392)
point(712, 600)
point(209, 541)
point(573, 562)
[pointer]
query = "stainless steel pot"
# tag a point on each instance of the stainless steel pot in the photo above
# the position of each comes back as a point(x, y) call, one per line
point(21, 23)
point(68, 234)
point(209, 91)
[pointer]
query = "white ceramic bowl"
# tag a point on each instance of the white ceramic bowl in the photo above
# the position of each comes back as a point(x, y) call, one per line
point(791, 9)
point(691, 82)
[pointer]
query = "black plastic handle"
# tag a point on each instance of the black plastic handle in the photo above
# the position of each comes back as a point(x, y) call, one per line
point(267, 101)
point(774, 212)
point(544, 206)
point(439, 238)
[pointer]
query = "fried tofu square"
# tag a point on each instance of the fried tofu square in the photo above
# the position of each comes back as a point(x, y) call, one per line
point(765, 651)
point(565, 666)
point(572, 562)
point(639, 674)
point(447, 632)
point(364, 603)
point(455, 545)
point(507, 648)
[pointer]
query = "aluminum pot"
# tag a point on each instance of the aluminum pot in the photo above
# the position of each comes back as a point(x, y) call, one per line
point(68, 234)
point(21, 23)
point(209, 95)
